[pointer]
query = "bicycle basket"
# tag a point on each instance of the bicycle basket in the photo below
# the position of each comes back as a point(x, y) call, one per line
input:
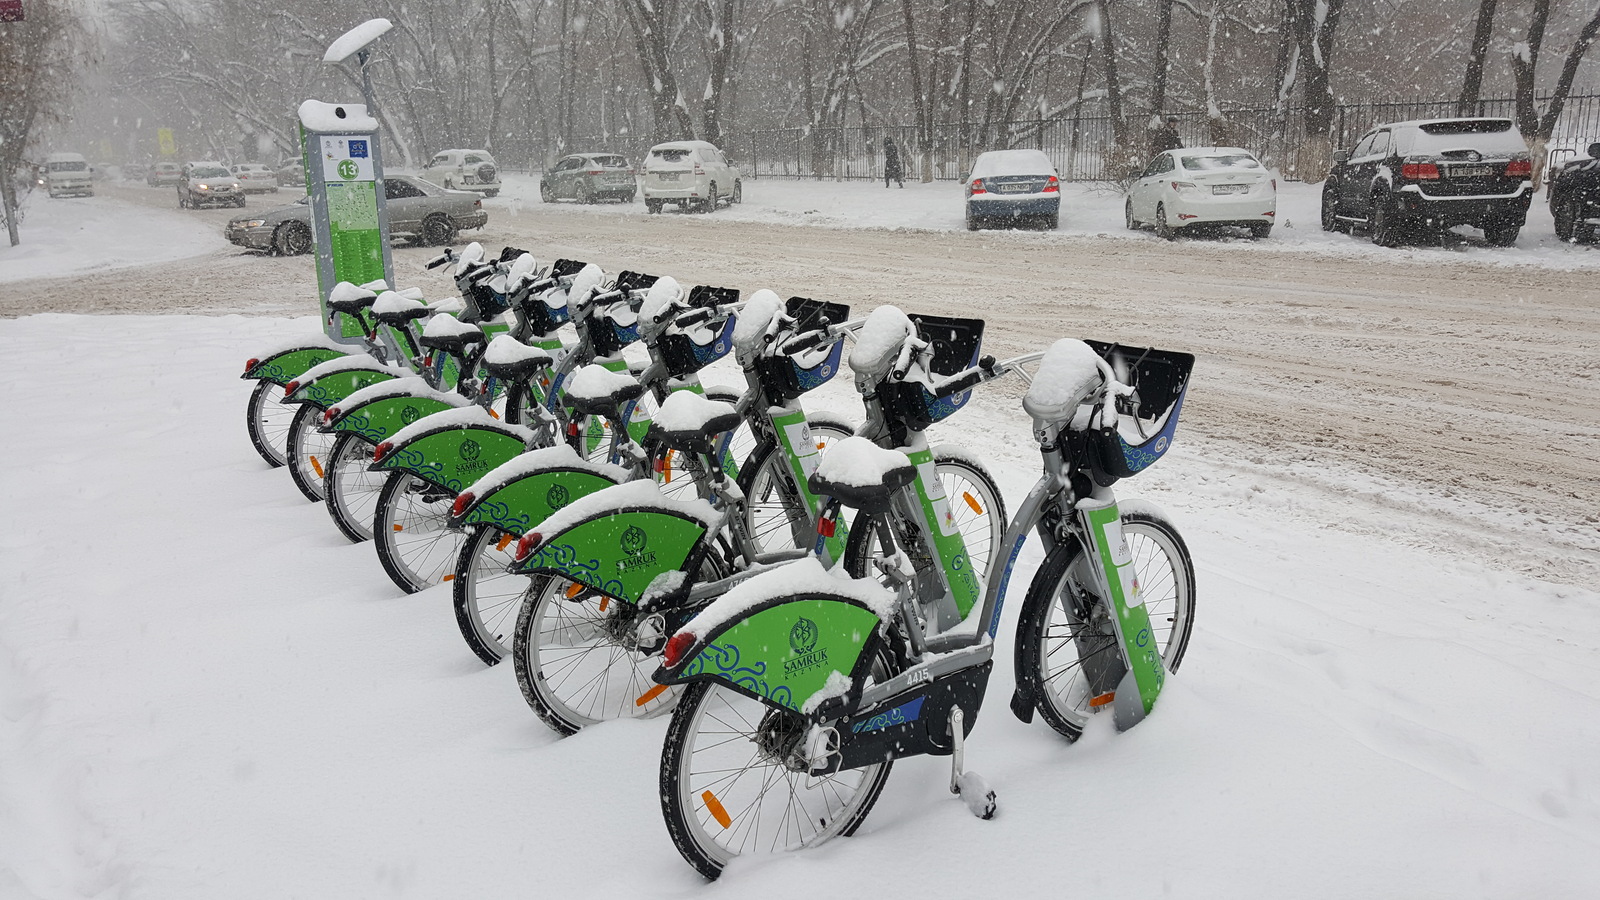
point(787, 377)
point(1146, 420)
point(543, 318)
point(566, 268)
point(956, 344)
point(628, 282)
point(608, 334)
point(684, 355)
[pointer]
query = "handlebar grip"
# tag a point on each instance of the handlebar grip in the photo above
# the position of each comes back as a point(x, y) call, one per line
point(691, 319)
point(438, 261)
point(960, 383)
point(808, 341)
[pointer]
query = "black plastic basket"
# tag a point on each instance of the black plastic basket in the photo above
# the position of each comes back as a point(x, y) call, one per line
point(562, 268)
point(1159, 379)
point(956, 345)
point(628, 282)
point(608, 335)
point(782, 377)
point(685, 356)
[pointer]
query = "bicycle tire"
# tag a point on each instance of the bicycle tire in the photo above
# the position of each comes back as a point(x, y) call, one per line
point(352, 488)
point(486, 597)
point(976, 504)
point(769, 510)
point(409, 531)
point(1049, 656)
point(308, 452)
point(268, 420)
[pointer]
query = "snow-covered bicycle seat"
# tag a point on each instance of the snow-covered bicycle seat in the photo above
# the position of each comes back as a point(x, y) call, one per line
point(511, 360)
point(861, 475)
point(450, 334)
point(595, 390)
point(395, 308)
point(687, 421)
point(349, 299)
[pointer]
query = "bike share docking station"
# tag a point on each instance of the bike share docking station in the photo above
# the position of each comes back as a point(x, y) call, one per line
point(349, 222)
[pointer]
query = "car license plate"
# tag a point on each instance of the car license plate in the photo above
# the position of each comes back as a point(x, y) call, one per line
point(1470, 171)
point(668, 176)
point(1014, 188)
point(1230, 189)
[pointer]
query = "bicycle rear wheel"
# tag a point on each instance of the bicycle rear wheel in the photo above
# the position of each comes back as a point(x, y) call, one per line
point(352, 487)
point(487, 598)
point(1067, 654)
point(409, 530)
point(268, 422)
point(308, 452)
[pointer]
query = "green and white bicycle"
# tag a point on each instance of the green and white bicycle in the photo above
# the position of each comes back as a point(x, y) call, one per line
point(804, 685)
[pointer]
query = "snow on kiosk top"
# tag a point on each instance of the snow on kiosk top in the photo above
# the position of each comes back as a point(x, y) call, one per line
point(1012, 162)
point(336, 118)
point(347, 44)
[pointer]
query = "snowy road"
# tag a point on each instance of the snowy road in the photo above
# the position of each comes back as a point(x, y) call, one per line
point(1386, 474)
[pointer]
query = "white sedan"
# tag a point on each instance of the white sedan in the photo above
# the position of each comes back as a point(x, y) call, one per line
point(1203, 186)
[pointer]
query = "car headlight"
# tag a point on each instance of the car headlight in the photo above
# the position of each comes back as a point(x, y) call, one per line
point(203, 187)
point(236, 185)
point(254, 223)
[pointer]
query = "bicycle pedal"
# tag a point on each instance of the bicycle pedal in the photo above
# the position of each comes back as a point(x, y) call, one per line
point(976, 793)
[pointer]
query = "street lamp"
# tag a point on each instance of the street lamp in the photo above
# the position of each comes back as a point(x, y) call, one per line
point(357, 42)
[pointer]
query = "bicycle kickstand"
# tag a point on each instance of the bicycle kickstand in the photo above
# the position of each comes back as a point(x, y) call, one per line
point(974, 791)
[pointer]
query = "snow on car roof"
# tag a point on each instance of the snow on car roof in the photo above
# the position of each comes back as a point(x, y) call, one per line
point(683, 145)
point(1012, 162)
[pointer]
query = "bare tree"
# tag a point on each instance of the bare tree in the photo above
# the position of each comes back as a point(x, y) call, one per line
point(1315, 23)
point(39, 59)
point(1536, 128)
point(1472, 80)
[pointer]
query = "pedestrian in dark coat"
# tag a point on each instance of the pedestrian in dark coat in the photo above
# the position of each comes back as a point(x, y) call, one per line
point(1166, 137)
point(892, 169)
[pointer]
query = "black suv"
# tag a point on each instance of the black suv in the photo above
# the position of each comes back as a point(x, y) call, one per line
point(1409, 178)
point(1575, 198)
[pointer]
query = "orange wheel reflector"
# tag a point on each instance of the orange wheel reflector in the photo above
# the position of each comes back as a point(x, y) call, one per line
point(398, 527)
point(493, 413)
point(450, 578)
point(1103, 699)
point(649, 695)
point(505, 540)
point(714, 806)
point(574, 589)
point(666, 467)
point(604, 602)
point(316, 466)
point(972, 502)
point(821, 446)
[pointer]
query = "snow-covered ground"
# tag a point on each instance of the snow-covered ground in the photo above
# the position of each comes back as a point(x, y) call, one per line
point(75, 235)
point(206, 692)
point(1086, 209)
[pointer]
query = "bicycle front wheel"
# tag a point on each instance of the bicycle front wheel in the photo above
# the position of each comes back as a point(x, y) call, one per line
point(487, 598)
point(308, 452)
point(975, 508)
point(352, 487)
point(410, 530)
point(772, 506)
point(730, 785)
point(268, 420)
point(1067, 653)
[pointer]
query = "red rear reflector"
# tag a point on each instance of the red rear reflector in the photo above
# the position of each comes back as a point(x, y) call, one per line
point(676, 648)
point(331, 414)
point(382, 451)
point(463, 500)
point(825, 527)
point(526, 544)
point(572, 429)
point(251, 364)
point(1419, 171)
point(1519, 168)
point(290, 387)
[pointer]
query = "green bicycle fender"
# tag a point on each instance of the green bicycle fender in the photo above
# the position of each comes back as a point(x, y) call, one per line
point(620, 552)
point(520, 505)
point(453, 457)
point(1130, 617)
point(377, 420)
point(282, 368)
point(331, 389)
point(789, 652)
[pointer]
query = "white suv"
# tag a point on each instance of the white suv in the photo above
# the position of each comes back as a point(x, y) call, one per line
point(692, 174)
point(464, 170)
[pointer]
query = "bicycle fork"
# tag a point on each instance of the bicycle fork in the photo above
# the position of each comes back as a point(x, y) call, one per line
point(1117, 580)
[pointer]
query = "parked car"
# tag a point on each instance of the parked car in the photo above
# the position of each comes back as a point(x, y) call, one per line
point(692, 174)
point(68, 175)
point(1013, 186)
point(255, 178)
point(1407, 179)
point(292, 172)
point(1203, 186)
point(419, 211)
point(587, 177)
point(1575, 198)
point(135, 172)
point(464, 170)
point(208, 184)
point(164, 173)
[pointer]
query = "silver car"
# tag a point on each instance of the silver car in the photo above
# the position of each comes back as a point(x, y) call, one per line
point(419, 211)
point(208, 184)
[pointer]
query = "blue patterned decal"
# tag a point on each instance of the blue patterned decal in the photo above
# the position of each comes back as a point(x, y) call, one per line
point(900, 715)
point(563, 558)
point(1005, 579)
point(1141, 456)
point(722, 660)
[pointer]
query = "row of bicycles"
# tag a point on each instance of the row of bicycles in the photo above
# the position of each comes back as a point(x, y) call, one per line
point(808, 597)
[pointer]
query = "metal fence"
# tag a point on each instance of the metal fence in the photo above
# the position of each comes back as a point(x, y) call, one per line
point(1084, 148)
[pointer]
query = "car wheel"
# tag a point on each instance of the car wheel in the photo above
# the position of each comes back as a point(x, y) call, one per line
point(738, 193)
point(1582, 232)
point(972, 222)
point(1052, 222)
point(1259, 230)
point(1164, 229)
point(652, 206)
point(182, 203)
point(449, 184)
point(1330, 212)
point(545, 194)
point(240, 204)
point(490, 193)
point(1127, 215)
point(582, 194)
point(627, 198)
point(711, 198)
point(1385, 231)
point(436, 229)
point(292, 239)
point(1502, 234)
point(1565, 215)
